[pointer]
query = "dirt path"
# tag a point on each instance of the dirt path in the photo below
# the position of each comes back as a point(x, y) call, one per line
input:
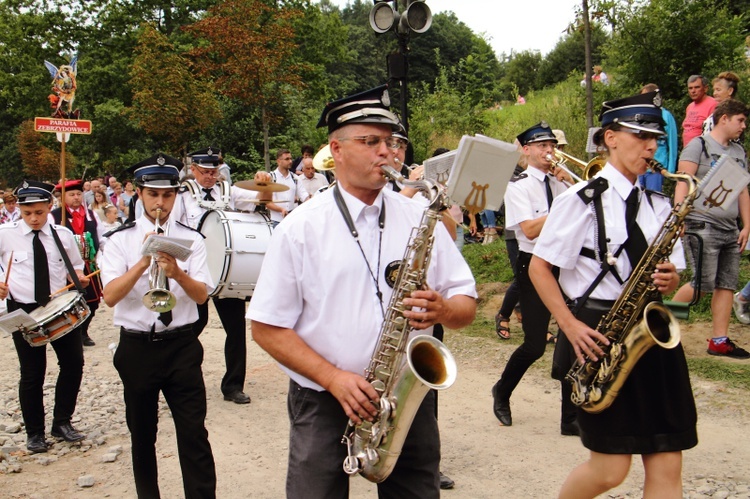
point(529, 459)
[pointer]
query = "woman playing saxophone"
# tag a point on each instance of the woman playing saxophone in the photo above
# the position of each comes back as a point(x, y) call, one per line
point(597, 233)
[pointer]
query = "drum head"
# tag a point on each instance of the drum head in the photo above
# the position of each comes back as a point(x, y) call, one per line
point(55, 307)
point(217, 241)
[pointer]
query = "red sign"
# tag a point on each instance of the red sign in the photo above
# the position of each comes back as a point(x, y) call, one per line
point(62, 125)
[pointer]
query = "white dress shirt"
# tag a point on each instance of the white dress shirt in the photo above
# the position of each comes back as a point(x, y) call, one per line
point(17, 237)
point(329, 296)
point(571, 225)
point(286, 199)
point(526, 199)
point(122, 252)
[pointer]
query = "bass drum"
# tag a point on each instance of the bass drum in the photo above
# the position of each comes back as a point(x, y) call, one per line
point(236, 244)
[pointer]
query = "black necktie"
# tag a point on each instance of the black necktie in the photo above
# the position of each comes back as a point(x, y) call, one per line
point(636, 244)
point(41, 271)
point(166, 317)
point(549, 191)
point(208, 196)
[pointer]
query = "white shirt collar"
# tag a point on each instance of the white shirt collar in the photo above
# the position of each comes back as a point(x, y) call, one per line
point(617, 180)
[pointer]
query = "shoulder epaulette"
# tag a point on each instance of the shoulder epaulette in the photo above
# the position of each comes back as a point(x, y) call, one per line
point(188, 227)
point(593, 189)
point(183, 188)
point(518, 177)
point(125, 226)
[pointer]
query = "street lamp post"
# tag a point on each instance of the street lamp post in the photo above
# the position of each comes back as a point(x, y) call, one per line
point(415, 18)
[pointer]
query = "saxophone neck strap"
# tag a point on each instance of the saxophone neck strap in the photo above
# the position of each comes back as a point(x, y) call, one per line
point(341, 204)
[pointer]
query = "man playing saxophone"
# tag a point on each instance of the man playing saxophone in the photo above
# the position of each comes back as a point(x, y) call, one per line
point(336, 279)
point(158, 349)
point(596, 233)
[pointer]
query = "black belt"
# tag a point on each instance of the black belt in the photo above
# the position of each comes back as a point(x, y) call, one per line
point(599, 305)
point(167, 334)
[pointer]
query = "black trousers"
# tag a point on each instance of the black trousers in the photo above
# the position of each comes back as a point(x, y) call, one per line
point(232, 314)
point(173, 367)
point(316, 454)
point(513, 293)
point(33, 362)
point(535, 323)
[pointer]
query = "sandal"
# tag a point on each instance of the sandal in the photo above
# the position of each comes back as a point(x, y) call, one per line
point(503, 332)
point(551, 338)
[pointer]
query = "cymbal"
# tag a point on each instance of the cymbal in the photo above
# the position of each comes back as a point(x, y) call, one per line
point(252, 185)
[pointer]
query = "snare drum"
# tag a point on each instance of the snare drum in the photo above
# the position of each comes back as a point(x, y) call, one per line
point(60, 316)
point(236, 245)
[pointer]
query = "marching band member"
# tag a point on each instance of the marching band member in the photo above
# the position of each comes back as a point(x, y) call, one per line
point(88, 234)
point(319, 267)
point(654, 413)
point(37, 269)
point(527, 201)
point(159, 352)
point(197, 196)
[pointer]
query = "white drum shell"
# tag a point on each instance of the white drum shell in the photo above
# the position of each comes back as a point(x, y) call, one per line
point(60, 316)
point(236, 244)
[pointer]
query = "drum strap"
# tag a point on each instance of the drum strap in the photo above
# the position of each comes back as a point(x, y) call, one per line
point(68, 265)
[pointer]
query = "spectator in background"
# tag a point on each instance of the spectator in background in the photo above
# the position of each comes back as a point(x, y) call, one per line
point(723, 241)
point(100, 201)
point(666, 152)
point(311, 180)
point(701, 107)
point(725, 87)
point(307, 152)
point(600, 76)
point(128, 192)
point(10, 212)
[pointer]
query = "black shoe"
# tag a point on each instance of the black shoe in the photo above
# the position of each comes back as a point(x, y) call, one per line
point(238, 397)
point(36, 444)
point(87, 341)
point(570, 429)
point(445, 482)
point(501, 408)
point(67, 433)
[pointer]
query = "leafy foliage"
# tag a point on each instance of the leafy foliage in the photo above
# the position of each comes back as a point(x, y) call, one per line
point(167, 97)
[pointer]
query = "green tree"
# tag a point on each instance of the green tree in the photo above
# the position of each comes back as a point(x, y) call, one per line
point(522, 71)
point(568, 56)
point(249, 52)
point(665, 41)
point(169, 103)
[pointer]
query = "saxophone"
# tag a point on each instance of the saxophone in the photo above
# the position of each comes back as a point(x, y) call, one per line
point(637, 320)
point(401, 371)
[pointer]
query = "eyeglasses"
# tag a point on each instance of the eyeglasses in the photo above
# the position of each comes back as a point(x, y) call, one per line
point(208, 173)
point(373, 141)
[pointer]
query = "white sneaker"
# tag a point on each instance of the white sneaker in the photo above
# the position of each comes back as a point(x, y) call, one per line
point(741, 309)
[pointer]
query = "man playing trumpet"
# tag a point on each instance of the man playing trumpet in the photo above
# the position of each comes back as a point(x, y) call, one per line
point(158, 351)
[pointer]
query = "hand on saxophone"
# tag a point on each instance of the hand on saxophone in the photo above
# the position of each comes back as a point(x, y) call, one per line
point(424, 308)
point(357, 397)
point(584, 340)
point(666, 279)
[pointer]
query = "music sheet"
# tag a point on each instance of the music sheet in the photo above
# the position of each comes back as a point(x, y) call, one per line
point(721, 186)
point(178, 248)
point(481, 172)
point(16, 321)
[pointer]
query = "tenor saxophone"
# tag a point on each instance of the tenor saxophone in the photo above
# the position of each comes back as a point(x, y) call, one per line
point(637, 320)
point(401, 370)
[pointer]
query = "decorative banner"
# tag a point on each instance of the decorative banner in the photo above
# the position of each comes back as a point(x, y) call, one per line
point(63, 89)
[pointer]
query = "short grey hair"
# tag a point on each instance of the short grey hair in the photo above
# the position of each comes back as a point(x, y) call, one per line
point(703, 79)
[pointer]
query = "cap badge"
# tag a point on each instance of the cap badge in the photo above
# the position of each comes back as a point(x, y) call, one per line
point(160, 160)
point(25, 185)
point(657, 100)
point(210, 152)
point(386, 99)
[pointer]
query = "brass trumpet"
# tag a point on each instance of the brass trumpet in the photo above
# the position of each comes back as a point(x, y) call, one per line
point(559, 158)
point(158, 298)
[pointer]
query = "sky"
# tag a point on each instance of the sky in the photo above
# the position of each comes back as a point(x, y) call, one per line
point(510, 25)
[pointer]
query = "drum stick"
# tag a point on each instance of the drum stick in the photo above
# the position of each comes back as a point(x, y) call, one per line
point(7, 271)
point(73, 284)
